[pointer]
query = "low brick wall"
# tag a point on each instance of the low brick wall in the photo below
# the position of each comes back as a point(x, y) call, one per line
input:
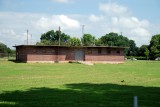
point(103, 58)
point(64, 54)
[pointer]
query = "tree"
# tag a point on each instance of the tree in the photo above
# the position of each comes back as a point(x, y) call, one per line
point(46, 42)
point(74, 42)
point(98, 42)
point(109, 39)
point(146, 53)
point(3, 48)
point(141, 50)
point(52, 38)
point(88, 40)
point(113, 39)
point(154, 46)
point(65, 39)
point(133, 49)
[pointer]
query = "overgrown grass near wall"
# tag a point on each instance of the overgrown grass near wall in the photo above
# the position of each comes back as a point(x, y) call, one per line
point(78, 85)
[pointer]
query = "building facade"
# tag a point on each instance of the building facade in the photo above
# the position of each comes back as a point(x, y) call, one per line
point(94, 54)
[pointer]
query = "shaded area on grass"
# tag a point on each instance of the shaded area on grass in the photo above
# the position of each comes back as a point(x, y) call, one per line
point(15, 61)
point(83, 95)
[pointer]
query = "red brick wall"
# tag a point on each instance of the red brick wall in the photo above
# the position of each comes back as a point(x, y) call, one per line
point(49, 53)
point(65, 54)
point(21, 54)
point(104, 54)
point(36, 53)
point(28, 53)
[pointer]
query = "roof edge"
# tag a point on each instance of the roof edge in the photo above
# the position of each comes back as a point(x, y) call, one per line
point(69, 46)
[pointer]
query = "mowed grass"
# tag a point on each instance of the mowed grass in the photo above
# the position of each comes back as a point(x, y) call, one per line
point(78, 85)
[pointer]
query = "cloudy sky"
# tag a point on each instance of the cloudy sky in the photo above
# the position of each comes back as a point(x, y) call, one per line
point(136, 19)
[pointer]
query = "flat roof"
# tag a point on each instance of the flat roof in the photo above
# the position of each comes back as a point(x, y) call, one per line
point(70, 46)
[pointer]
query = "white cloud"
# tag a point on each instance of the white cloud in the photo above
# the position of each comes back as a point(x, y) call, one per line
point(112, 8)
point(114, 20)
point(140, 31)
point(95, 18)
point(71, 23)
point(130, 22)
point(140, 35)
point(133, 28)
point(44, 23)
point(13, 29)
point(120, 20)
point(6, 31)
point(64, 21)
point(62, 1)
point(14, 25)
point(10, 37)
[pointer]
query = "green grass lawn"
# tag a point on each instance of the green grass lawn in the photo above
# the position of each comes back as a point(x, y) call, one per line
point(78, 85)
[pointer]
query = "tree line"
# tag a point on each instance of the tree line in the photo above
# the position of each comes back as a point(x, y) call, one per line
point(150, 51)
point(6, 51)
point(112, 39)
point(4, 48)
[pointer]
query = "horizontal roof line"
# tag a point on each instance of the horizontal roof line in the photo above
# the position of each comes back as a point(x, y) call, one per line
point(69, 46)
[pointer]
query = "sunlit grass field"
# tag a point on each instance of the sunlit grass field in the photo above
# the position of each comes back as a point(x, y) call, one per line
point(78, 85)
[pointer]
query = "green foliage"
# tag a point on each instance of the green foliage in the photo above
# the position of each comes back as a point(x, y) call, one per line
point(133, 49)
point(6, 52)
point(142, 49)
point(113, 39)
point(44, 42)
point(154, 46)
point(74, 42)
point(98, 42)
point(3, 48)
point(52, 38)
point(146, 53)
point(88, 40)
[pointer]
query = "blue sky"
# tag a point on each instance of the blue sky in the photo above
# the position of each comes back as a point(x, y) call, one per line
point(136, 19)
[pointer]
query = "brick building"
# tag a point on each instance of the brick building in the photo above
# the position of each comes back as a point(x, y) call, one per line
point(95, 54)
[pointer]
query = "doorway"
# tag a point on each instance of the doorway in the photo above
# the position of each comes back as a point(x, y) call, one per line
point(79, 55)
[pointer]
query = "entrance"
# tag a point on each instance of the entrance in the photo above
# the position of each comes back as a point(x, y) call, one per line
point(79, 55)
